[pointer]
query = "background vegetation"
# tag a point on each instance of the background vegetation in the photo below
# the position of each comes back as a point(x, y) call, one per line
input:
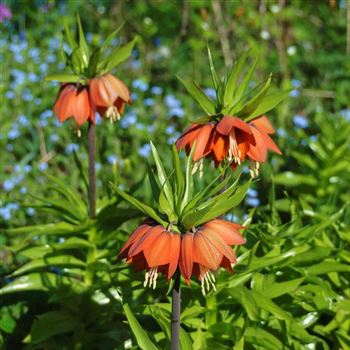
point(62, 287)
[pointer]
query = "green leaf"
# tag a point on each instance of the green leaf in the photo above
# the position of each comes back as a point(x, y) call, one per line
point(93, 63)
point(202, 99)
point(43, 329)
point(111, 37)
point(269, 102)
point(253, 103)
point(83, 44)
point(59, 260)
point(262, 338)
point(188, 179)
point(38, 282)
point(179, 178)
point(214, 75)
point(77, 60)
point(63, 78)
point(275, 289)
point(139, 205)
point(143, 341)
point(69, 36)
point(118, 56)
point(59, 228)
point(233, 77)
point(244, 84)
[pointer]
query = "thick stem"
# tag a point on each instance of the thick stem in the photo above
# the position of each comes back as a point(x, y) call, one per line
point(175, 314)
point(92, 171)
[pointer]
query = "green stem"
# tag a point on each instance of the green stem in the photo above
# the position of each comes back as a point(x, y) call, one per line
point(175, 314)
point(92, 171)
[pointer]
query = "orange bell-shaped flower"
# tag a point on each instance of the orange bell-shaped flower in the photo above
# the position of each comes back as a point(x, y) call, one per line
point(73, 102)
point(152, 248)
point(109, 95)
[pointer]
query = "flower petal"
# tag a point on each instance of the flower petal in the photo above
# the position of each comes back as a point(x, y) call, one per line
point(229, 231)
point(188, 136)
point(186, 256)
point(227, 123)
point(263, 124)
point(159, 252)
point(174, 254)
point(258, 150)
point(205, 253)
point(203, 142)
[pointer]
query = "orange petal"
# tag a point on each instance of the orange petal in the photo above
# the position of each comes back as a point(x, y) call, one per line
point(174, 254)
point(226, 264)
point(228, 231)
point(218, 243)
point(118, 88)
point(258, 150)
point(189, 135)
point(146, 240)
point(203, 142)
point(137, 234)
point(159, 252)
point(186, 256)
point(81, 107)
point(270, 144)
point(263, 124)
point(205, 253)
point(220, 147)
point(227, 123)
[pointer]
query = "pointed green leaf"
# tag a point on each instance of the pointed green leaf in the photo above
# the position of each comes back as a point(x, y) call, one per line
point(69, 36)
point(111, 37)
point(83, 44)
point(240, 91)
point(163, 178)
point(214, 75)
point(143, 341)
point(233, 77)
point(179, 177)
point(139, 205)
point(202, 99)
point(269, 102)
point(118, 56)
point(188, 178)
point(63, 78)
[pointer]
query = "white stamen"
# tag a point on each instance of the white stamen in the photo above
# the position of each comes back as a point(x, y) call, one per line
point(207, 282)
point(254, 169)
point(112, 113)
point(78, 132)
point(151, 278)
point(202, 286)
point(234, 153)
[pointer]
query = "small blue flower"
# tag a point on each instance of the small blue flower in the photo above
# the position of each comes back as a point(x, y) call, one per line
point(112, 159)
point(19, 58)
point(10, 95)
point(128, 120)
point(33, 77)
point(140, 85)
point(172, 102)
point(23, 120)
point(5, 213)
point(26, 95)
point(98, 166)
point(34, 52)
point(300, 121)
point(281, 132)
point(23, 190)
point(37, 101)
point(27, 168)
point(210, 92)
point(294, 93)
point(345, 113)
point(12, 206)
point(296, 83)
point(9, 184)
point(71, 147)
point(43, 166)
point(9, 147)
point(176, 111)
point(46, 114)
point(54, 138)
point(148, 102)
point(50, 58)
point(30, 211)
point(170, 130)
point(13, 134)
point(313, 138)
point(252, 202)
point(252, 193)
point(156, 90)
point(145, 150)
point(54, 43)
point(150, 128)
point(43, 68)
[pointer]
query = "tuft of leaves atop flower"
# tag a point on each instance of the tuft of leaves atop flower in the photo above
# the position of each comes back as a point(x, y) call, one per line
point(86, 62)
point(178, 204)
point(234, 93)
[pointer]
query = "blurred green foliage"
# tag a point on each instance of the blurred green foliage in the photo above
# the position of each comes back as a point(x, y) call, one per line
point(291, 289)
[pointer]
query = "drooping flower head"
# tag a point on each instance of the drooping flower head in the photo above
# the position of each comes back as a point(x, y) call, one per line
point(235, 127)
point(153, 248)
point(90, 88)
point(109, 95)
point(73, 101)
point(183, 233)
point(208, 247)
point(232, 141)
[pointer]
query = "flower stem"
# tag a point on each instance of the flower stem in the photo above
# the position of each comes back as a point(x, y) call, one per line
point(92, 171)
point(175, 314)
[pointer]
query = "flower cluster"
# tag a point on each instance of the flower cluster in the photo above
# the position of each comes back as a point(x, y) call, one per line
point(199, 252)
point(231, 139)
point(106, 95)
